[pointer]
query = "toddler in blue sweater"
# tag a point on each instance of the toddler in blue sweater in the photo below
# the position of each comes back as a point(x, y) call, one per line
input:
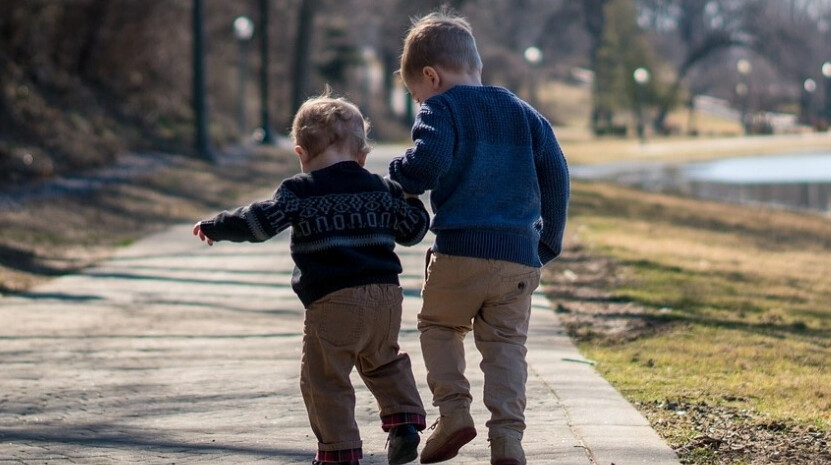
point(499, 191)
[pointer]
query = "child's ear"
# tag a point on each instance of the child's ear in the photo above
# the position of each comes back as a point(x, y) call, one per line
point(301, 153)
point(361, 159)
point(432, 76)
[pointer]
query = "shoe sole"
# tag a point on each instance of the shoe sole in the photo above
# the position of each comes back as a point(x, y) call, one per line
point(409, 444)
point(452, 446)
point(506, 462)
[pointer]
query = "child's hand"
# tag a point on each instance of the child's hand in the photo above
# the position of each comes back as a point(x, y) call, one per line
point(197, 231)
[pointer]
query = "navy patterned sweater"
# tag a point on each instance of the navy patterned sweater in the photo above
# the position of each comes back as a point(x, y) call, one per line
point(498, 179)
point(344, 222)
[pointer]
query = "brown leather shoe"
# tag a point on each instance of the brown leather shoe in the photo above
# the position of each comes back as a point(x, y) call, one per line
point(452, 431)
point(507, 450)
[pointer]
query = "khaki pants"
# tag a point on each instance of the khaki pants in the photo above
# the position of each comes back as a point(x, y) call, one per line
point(492, 298)
point(355, 327)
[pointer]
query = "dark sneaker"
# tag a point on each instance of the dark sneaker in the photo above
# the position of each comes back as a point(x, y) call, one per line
point(402, 444)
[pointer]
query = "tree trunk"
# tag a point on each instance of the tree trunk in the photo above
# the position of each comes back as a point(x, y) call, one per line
point(710, 44)
point(302, 52)
point(595, 21)
point(97, 12)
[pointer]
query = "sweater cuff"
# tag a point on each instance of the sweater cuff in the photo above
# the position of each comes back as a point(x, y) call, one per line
point(208, 227)
point(399, 177)
point(547, 254)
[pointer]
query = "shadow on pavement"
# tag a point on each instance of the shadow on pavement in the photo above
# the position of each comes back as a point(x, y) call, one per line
point(89, 436)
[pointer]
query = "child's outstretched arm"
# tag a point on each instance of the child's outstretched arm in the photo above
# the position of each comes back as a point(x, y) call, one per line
point(257, 222)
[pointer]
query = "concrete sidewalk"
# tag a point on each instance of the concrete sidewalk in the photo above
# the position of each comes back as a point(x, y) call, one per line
point(173, 352)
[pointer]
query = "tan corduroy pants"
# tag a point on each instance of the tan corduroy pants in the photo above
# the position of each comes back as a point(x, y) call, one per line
point(354, 327)
point(493, 299)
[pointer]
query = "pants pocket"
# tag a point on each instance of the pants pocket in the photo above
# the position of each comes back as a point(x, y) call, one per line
point(339, 323)
point(520, 284)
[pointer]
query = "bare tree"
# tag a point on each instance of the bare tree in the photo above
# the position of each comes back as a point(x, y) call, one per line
point(793, 37)
point(302, 51)
point(786, 36)
point(703, 29)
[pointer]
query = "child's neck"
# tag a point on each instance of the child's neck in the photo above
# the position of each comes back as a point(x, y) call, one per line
point(452, 79)
point(470, 80)
point(331, 156)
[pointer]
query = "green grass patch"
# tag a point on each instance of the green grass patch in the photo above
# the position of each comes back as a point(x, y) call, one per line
point(741, 296)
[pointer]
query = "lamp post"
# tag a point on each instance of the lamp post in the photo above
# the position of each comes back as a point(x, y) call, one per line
point(744, 68)
point(826, 74)
point(368, 58)
point(533, 56)
point(200, 107)
point(641, 76)
point(243, 31)
point(809, 86)
point(265, 127)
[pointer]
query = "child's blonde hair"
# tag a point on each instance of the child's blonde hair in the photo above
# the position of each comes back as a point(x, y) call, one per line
point(324, 120)
point(439, 39)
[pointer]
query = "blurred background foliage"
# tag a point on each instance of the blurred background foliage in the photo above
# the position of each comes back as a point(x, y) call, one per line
point(82, 81)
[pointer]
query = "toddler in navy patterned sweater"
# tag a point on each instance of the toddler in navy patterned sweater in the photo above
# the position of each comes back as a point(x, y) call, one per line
point(345, 223)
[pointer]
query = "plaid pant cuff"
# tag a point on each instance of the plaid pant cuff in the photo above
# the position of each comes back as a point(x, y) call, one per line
point(345, 455)
point(400, 419)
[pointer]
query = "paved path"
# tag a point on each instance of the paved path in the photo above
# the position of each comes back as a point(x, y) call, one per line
point(176, 353)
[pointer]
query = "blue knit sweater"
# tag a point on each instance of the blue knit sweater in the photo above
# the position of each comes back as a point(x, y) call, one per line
point(344, 223)
point(498, 179)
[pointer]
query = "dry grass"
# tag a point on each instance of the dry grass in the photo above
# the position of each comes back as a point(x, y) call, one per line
point(719, 137)
point(737, 301)
point(683, 149)
point(570, 107)
point(55, 235)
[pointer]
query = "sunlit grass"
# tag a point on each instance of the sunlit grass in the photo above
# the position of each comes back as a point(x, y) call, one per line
point(682, 149)
point(718, 137)
point(744, 294)
point(570, 107)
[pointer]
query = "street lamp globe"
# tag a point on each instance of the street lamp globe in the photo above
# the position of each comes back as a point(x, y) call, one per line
point(809, 85)
point(744, 67)
point(533, 55)
point(641, 76)
point(243, 28)
point(826, 69)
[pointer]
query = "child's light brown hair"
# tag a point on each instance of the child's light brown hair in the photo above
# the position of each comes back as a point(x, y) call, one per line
point(325, 120)
point(439, 39)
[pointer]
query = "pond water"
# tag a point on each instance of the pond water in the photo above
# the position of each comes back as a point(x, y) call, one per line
point(799, 181)
point(770, 170)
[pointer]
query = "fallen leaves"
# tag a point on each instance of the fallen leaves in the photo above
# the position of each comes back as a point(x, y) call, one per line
point(731, 435)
